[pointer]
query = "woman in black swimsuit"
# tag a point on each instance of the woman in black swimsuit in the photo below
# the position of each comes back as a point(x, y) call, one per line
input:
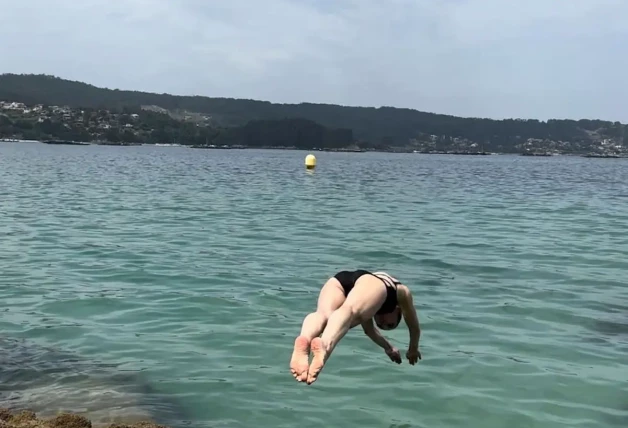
point(348, 299)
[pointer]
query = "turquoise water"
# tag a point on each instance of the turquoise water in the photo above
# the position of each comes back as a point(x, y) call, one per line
point(192, 269)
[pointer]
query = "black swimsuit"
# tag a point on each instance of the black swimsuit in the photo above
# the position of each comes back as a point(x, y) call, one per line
point(348, 278)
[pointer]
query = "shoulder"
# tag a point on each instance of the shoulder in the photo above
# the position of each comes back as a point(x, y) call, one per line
point(404, 295)
point(403, 290)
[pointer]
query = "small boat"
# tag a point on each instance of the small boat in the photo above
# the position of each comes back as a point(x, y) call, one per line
point(602, 155)
point(65, 142)
point(536, 154)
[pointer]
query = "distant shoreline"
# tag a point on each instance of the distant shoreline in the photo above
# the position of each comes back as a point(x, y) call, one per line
point(345, 150)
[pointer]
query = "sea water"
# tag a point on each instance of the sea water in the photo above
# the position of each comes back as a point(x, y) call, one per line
point(194, 269)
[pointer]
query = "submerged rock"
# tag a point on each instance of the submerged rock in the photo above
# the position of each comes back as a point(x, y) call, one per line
point(49, 381)
point(28, 419)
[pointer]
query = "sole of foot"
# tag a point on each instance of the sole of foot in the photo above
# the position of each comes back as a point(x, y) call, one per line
point(318, 361)
point(299, 363)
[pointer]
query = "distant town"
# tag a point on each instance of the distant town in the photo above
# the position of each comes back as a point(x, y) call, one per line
point(155, 125)
point(607, 147)
point(55, 123)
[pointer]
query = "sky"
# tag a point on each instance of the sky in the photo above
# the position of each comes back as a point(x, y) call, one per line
point(476, 58)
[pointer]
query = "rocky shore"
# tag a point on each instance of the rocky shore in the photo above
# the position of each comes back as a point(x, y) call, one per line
point(28, 419)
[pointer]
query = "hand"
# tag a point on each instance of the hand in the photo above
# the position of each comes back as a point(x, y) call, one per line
point(413, 355)
point(394, 355)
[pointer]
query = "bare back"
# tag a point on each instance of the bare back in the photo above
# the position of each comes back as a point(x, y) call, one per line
point(402, 290)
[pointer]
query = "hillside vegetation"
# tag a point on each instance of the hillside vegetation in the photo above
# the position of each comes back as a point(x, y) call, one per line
point(369, 127)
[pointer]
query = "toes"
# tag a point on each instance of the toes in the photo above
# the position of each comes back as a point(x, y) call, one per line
point(300, 373)
point(311, 377)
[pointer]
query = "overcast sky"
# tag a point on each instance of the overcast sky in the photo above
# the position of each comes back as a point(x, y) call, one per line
point(489, 58)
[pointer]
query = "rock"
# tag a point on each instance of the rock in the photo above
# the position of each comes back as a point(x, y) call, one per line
point(69, 420)
point(28, 419)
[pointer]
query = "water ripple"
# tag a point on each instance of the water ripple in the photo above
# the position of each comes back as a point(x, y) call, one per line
point(195, 268)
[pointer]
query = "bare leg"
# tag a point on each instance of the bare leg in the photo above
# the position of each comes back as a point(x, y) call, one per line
point(362, 303)
point(338, 325)
point(313, 324)
point(329, 299)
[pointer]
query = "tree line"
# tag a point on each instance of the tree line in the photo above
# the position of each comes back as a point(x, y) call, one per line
point(370, 127)
point(148, 127)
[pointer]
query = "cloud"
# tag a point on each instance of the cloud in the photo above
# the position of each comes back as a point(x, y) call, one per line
point(490, 58)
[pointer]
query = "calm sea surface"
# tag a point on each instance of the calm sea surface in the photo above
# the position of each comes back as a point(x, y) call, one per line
point(180, 277)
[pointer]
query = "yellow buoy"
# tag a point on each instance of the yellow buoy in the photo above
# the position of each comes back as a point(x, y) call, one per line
point(310, 162)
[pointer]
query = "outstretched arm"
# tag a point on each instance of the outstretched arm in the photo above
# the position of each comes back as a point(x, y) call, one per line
point(375, 336)
point(409, 315)
point(371, 331)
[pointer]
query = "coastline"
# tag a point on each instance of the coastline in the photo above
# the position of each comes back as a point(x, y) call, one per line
point(28, 419)
point(399, 150)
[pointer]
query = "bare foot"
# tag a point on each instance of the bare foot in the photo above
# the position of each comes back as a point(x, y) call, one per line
point(318, 361)
point(300, 357)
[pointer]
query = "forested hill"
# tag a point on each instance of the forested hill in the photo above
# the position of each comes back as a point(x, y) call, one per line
point(378, 126)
